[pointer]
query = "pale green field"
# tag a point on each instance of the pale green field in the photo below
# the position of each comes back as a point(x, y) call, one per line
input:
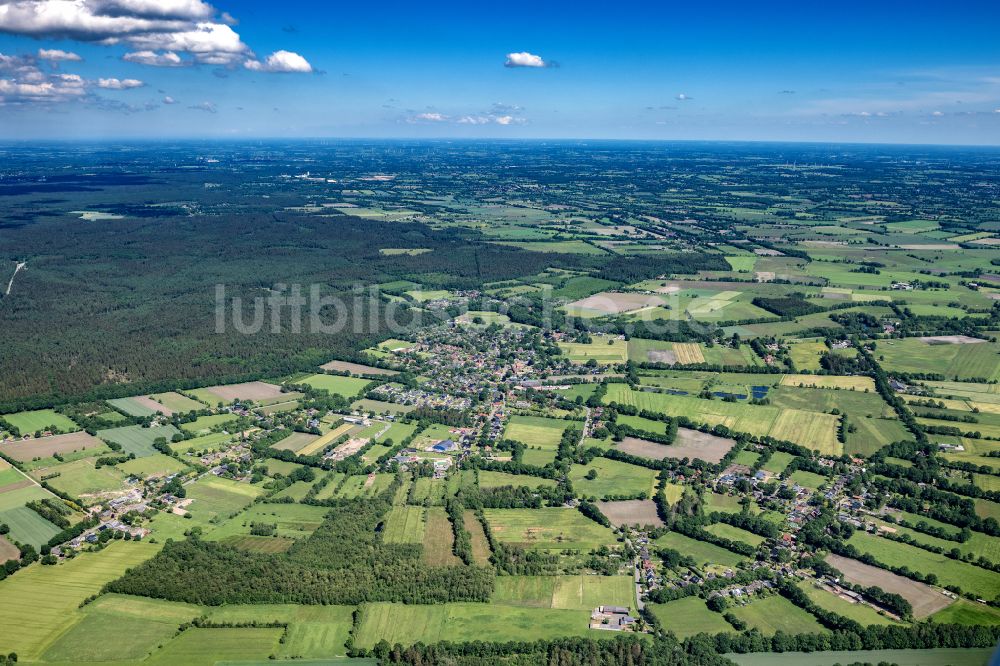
point(690, 616)
point(206, 423)
point(138, 440)
point(155, 465)
point(488, 479)
point(613, 478)
point(40, 419)
point(538, 431)
point(313, 631)
point(967, 361)
point(809, 429)
point(138, 625)
point(579, 592)
point(935, 657)
point(41, 602)
point(294, 521)
point(772, 614)
point(217, 498)
point(404, 524)
point(347, 387)
point(949, 572)
point(604, 350)
point(727, 531)
point(860, 613)
point(80, 477)
point(463, 622)
point(702, 551)
point(206, 647)
point(547, 529)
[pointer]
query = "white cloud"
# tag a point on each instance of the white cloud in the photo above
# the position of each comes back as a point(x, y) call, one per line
point(22, 82)
point(681, 97)
point(119, 84)
point(937, 114)
point(280, 61)
point(474, 120)
point(154, 59)
point(179, 9)
point(524, 59)
point(169, 100)
point(209, 43)
point(488, 119)
point(208, 107)
point(57, 55)
point(428, 117)
point(191, 27)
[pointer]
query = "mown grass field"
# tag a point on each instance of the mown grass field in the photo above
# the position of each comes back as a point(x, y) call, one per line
point(702, 551)
point(578, 592)
point(138, 625)
point(347, 387)
point(204, 424)
point(776, 613)
point(464, 622)
point(206, 647)
point(216, 498)
point(488, 479)
point(548, 529)
point(211, 442)
point(138, 440)
point(809, 429)
point(909, 657)
point(603, 350)
point(155, 465)
point(961, 361)
point(81, 477)
point(613, 479)
point(439, 539)
point(404, 524)
point(690, 616)
point(968, 577)
point(538, 431)
point(860, 613)
point(40, 603)
point(313, 631)
point(727, 531)
point(39, 419)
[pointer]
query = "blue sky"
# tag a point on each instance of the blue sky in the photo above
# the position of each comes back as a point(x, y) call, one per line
point(913, 72)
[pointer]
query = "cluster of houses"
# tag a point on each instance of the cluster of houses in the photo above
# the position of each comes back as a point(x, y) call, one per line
point(612, 618)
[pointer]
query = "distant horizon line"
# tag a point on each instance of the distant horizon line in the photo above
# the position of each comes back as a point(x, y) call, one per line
point(445, 139)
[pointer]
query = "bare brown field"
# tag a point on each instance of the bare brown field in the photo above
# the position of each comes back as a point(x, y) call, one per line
point(616, 303)
point(631, 512)
point(688, 352)
point(46, 447)
point(701, 445)
point(245, 391)
point(8, 551)
point(924, 599)
point(149, 403)
point(644, 448)
point(951, 340)
point(296, 441)
point(690, 444)
point(662, 356)
point(356, 368)
point(17, 485)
